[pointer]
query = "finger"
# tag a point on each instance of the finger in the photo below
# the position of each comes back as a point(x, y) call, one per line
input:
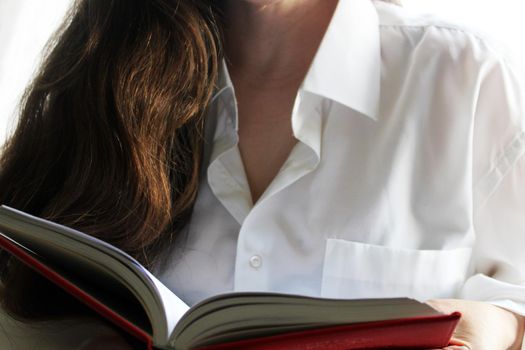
point(457, 345)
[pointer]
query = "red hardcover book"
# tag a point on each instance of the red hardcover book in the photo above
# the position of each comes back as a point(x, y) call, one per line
point(121, 290)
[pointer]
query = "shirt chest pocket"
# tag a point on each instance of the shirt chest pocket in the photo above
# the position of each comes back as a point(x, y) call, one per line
point(360, 270)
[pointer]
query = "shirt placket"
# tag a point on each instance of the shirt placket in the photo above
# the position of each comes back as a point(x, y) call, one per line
point(256, 243)
point(227, 180)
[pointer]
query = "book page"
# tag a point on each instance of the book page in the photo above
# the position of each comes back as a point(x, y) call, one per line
point(93, 257)
point(235, 316)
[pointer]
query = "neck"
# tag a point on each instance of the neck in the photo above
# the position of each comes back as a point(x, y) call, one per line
point(274, 40)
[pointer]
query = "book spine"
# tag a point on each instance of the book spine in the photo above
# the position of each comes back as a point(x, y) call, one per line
point(43, 269)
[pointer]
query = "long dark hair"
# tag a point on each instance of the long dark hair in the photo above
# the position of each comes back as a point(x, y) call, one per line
point(110, 133)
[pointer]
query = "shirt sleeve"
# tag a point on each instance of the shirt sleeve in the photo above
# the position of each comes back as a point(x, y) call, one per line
point(499, 190)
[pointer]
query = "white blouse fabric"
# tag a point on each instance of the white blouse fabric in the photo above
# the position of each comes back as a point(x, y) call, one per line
point(408, 177)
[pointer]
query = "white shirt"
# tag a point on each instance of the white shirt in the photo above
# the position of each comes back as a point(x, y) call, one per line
point(408, 178)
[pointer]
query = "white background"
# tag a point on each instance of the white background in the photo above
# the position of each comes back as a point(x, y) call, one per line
point(25, 26)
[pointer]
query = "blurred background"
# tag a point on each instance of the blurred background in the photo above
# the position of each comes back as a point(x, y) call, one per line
point(25, 26)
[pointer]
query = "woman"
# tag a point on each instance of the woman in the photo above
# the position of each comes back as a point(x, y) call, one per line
point(350, 150)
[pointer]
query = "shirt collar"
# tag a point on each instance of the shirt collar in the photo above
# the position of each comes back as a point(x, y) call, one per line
point(347, 65)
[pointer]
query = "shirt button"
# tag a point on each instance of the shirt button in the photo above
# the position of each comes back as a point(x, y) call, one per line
point(255, 261)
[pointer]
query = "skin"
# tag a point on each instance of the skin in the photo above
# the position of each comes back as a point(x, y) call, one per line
point(483, 326)
point(269, 46)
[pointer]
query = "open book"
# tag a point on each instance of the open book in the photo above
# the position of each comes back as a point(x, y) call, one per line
point(120, 289)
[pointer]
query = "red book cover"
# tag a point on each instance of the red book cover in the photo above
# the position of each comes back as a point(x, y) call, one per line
point(414, 333)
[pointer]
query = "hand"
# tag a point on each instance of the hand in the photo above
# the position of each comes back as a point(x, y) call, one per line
point(482, 326)
point(108, 342)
